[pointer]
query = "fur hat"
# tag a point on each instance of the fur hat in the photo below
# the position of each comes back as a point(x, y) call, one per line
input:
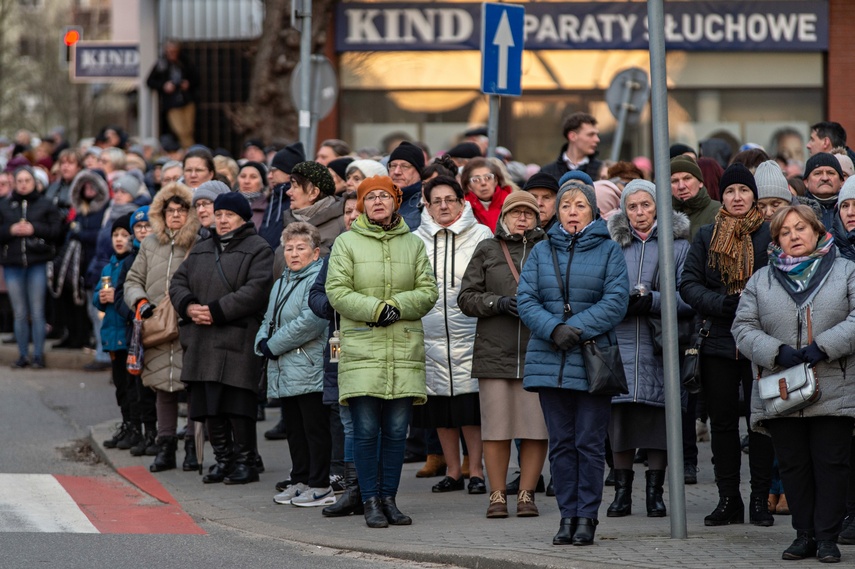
point(209, 191)
point(288, 157)
point(317, 174)
point(234, 201)
point(635, 186)
point(737, 173)
point(409, 152)
point(822, 159)
point(771, 182)
point(686, 164)
point(384, 183)
point(520, 199)
point(541, 180)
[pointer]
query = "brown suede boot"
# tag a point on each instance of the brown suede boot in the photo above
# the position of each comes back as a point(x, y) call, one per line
point(434, 466)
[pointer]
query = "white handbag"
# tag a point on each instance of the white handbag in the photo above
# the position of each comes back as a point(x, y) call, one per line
point(792, 389)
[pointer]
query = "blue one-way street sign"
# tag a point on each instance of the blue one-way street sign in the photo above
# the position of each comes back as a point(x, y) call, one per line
point(502, 40)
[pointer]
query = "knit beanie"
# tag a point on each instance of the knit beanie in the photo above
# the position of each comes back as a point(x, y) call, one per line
point(587, 190)
point(139, 215)
point(234, 201)
point(128, 183)
point(576, 175)
point(686, 164)
point(288, 157)
point(465, 150)
point(368, 168)
point(122, 222)
point(262, 170)
point(847, 192)
point(771, 182)
point(409, 152)
point(520, 199)
point(635, 186)
point(737, 173)
point(541, 180)
point(822, 159)
point(678, 149)
point(209, 191)
point(339, 166)
point(317, 174)
point(846, 164)
point(384, 183)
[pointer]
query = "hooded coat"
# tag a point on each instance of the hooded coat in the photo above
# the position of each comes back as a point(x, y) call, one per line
point(500, 339)
point(223, 352)
point(644, 369)
point(449, 333)
point(369, 267)
point(598, 289)
point(89, 214)
point(159, 256)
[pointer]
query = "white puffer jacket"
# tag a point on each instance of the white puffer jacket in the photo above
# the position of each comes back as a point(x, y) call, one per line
point(449, 334)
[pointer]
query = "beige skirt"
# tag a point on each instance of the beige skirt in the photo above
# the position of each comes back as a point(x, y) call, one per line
point(510, 412)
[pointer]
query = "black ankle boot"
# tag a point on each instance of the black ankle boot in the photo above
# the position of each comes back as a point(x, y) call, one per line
point(243, 431)
point(655, 503)
point(191, 463)
point(165, 459)
point(351, 501)
point(758, 510)
point(219, 435)
point(803, 546)
point(132, 437)
point(730, 510)
point(147, 440)
point(118, 435)
point(374, 516)
point(565, 531)
point(622, 506)
point(393, 515)
point(584, 534)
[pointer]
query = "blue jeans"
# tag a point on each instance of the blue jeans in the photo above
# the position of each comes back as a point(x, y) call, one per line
point(27, 288)
point(347, 425)
point(388, 418)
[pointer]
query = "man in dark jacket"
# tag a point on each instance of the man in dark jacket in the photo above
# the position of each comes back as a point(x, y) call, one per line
point(824, 178)
point(544, 188)
point(405, 168)
point(280, 178)
point(175, 79)
point(583, 137)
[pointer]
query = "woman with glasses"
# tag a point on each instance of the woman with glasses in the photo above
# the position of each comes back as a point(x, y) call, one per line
point(486, 190)
point(451, 233)
point(489, 292)
point(380, 282)
point(198, 167)
point(173, 232)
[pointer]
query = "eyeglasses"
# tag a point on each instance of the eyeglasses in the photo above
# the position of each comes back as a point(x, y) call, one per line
point(142, 226)
point(176, 211)
point(381, 196)
point(446, 201)
point(521, 213)
point(404, 166)
point(203, 203)
point(484, 178)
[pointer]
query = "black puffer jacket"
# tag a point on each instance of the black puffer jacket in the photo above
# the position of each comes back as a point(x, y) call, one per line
point(701, 288)
point(47, 225)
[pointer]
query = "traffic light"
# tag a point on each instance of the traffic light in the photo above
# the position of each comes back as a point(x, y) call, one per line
point(70, 36)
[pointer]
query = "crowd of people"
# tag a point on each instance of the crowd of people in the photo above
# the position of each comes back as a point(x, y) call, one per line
point(400, 307)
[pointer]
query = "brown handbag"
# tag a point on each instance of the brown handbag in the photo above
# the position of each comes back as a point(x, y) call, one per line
point(162, 327)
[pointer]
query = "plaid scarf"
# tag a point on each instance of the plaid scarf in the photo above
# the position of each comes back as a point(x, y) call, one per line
point(800, 270)
point(731, 249)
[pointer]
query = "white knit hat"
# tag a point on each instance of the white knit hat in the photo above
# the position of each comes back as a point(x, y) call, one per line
point(771, 182)
point(847, 192)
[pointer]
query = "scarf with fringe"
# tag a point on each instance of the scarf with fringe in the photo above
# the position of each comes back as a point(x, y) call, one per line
point(731, 249)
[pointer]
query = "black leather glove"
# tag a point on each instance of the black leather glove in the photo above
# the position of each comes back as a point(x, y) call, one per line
point(388, 316)
point(147, 310)
point(789, 357)
point(729, 305)
point(507, 305)
point(566, 337)
point(813, 354)
point(639, 305)
point(262, 347)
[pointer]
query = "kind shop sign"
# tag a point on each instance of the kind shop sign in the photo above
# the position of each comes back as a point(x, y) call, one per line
point(727, 25)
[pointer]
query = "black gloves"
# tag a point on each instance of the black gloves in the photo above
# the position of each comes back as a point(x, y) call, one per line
point(639, 305)
point(789, 357)
point(729, 305)
point(262, 347)
point(146, 310)
point(507, 305)
point(388, 316)
point(813, 354)
point(566, 337)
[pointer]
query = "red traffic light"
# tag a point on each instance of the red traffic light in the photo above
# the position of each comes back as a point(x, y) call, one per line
point(71, 37)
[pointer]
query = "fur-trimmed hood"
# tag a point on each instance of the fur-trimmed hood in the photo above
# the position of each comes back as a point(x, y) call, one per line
point(100, 184)
point(621, 231)
point(186, 236)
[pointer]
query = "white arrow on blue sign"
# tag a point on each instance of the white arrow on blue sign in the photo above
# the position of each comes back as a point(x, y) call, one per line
point(502, 42)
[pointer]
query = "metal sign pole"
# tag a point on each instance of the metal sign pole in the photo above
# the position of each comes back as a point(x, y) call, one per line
point(493, 125)
point(305, 115)
point(673, 409)
point(628, 87)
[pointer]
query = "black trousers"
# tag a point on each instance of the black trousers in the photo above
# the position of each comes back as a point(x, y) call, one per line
point(813, 457)
point(690, 437)
point(722, 381)
point(146, 403)
point(126, 393)
point(307, 421)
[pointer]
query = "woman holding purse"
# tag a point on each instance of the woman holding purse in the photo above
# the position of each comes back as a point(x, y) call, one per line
point(801, 309)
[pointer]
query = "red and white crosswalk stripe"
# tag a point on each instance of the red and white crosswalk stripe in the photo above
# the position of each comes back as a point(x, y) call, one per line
point(78, 504)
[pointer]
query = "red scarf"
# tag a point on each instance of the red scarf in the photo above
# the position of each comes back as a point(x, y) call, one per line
point(489, 216)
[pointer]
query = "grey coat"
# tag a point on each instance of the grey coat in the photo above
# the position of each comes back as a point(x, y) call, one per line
point(644, 370)
point(767, 318)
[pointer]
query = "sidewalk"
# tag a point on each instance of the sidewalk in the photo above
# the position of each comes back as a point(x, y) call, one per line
point(451, 528)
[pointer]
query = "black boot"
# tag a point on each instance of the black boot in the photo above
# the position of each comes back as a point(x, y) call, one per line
point(243, 431)
point(220, 437)
point(191, 463)
point(758, 510)
point(622, 506)
point(730, 510)
point(351, 501)
point(584, 534)
point(393, 515)
point(655, 503)
point(565, 531)
point(118, 435)
point(148, 439)
point(132, 437)
point(374, 516)
point(165, 459)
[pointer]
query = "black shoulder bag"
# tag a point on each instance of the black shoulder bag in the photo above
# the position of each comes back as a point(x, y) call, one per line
point(690, 375)
point(603, 367)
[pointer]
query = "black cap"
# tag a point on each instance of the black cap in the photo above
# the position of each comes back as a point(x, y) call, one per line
point(122, 222)
point(465, 150)
point(288, 157)
point(409, 152)
point(477, 131)
point(541, 180)
point(339, 166)
point(234, 201)
point(680, 148)
point(254, 142)
point(262, 170)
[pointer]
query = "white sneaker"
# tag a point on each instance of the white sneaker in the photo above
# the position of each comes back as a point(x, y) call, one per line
point(314, 497)
point(290, 493)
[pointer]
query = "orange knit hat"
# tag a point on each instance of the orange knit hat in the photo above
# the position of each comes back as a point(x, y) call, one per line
point(384, 183)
